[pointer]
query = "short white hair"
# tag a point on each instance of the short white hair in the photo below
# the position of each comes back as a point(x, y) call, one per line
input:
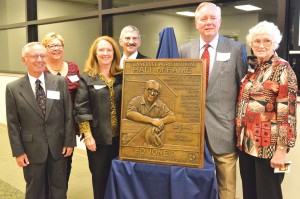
point(268, 28)
point(207, 4)
point(29, 45)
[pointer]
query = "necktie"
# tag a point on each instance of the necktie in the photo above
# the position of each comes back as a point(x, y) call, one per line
point(58, 74)
point(205, 55)
point(40, 96)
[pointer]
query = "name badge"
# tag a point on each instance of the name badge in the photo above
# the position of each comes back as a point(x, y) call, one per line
point(223, 56)
point(53, 95)
point(73, 78)
point(98, 87)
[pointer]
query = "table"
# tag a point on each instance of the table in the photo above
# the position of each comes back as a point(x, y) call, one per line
point(136, 180)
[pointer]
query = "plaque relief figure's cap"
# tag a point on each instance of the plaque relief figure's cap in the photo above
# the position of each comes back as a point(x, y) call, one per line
point(153, 136)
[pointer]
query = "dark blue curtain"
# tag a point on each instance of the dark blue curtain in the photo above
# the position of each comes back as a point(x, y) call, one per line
point(167, 44)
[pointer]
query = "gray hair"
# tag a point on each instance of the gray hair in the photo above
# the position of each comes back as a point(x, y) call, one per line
point(207, 4)
point(29, 45)
point(130, 28)
point(268, 28)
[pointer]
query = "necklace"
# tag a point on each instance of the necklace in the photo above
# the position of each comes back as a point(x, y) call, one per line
point(62, 70)
point(57, 69)
point(105, 73)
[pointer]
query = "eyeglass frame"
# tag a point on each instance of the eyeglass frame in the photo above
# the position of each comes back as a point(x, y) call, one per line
point(35, 57)
point(53, 46)
point(266, 43)
point(152, 90)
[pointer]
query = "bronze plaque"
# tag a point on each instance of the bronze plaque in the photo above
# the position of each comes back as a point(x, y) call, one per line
point(163, 111)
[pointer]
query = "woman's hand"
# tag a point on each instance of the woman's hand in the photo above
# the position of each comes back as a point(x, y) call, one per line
point(278, 158)
point(89, 141)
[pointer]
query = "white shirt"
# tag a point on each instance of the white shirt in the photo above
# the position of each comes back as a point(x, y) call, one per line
point(133, 56)
point(212, 51)
point(33, 85)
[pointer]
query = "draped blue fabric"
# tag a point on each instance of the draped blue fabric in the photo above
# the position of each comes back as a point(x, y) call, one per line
point(133, 180)
point(167, 44)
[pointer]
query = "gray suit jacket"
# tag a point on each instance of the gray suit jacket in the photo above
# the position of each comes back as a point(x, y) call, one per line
point(222, 92)
point(31, 133)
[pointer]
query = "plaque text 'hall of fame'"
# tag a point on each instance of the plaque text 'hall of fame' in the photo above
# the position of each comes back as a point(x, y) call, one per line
point(163, 111)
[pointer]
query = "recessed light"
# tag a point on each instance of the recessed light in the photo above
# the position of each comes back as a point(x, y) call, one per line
point(247, 7)
point(186, 13)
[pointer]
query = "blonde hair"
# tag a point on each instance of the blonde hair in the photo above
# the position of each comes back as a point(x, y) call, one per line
point(50, 36)
point(207, 4)
point(91, 65)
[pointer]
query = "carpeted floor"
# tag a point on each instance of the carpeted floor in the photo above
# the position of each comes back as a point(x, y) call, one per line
point(9, 192)
point(12, 182)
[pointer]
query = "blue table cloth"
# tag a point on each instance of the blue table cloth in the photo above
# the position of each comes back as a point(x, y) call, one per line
point(135, 180)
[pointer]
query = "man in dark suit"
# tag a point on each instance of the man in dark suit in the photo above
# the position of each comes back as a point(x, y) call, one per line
point(227, 66)
point(130, 40)
point(40, 125)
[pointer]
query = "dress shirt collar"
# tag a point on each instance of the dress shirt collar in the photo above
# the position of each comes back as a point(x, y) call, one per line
point(33, 79)
point(144, 102)
point(133, 56)
point(212, 44)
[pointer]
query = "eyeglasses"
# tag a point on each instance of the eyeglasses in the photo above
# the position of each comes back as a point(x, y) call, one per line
point(152, 91)
point(35, 57)
point(266, 42)
point(53, 46)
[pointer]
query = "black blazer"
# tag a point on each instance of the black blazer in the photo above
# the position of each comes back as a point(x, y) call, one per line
point(92, 103)
point(140, 56)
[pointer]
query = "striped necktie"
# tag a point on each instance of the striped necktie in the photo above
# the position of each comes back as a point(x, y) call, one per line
point(205, 55)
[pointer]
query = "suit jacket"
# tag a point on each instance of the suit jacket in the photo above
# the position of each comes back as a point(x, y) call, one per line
point(92, 103)
point(32, 133)
point(140, 56)
point(222, 92)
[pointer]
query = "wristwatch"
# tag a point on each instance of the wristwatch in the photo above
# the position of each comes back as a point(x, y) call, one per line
point(282, 148)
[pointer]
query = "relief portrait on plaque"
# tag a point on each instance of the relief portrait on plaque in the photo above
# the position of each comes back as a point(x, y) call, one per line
point(149, 109)
point(163, 104)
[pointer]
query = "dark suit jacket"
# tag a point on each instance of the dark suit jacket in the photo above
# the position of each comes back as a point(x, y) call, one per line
point(92, 103)
point(140, 56)
point(31, 133)
point(222, 91)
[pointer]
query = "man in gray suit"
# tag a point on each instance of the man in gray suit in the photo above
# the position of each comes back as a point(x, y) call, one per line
point(41, 132)
point(227, 67)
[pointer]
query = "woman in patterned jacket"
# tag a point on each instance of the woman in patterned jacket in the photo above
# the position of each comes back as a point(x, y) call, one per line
point(266, 115)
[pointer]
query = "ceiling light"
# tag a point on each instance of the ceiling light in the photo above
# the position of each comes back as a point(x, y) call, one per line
point(186, 13)
point(247, 7)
